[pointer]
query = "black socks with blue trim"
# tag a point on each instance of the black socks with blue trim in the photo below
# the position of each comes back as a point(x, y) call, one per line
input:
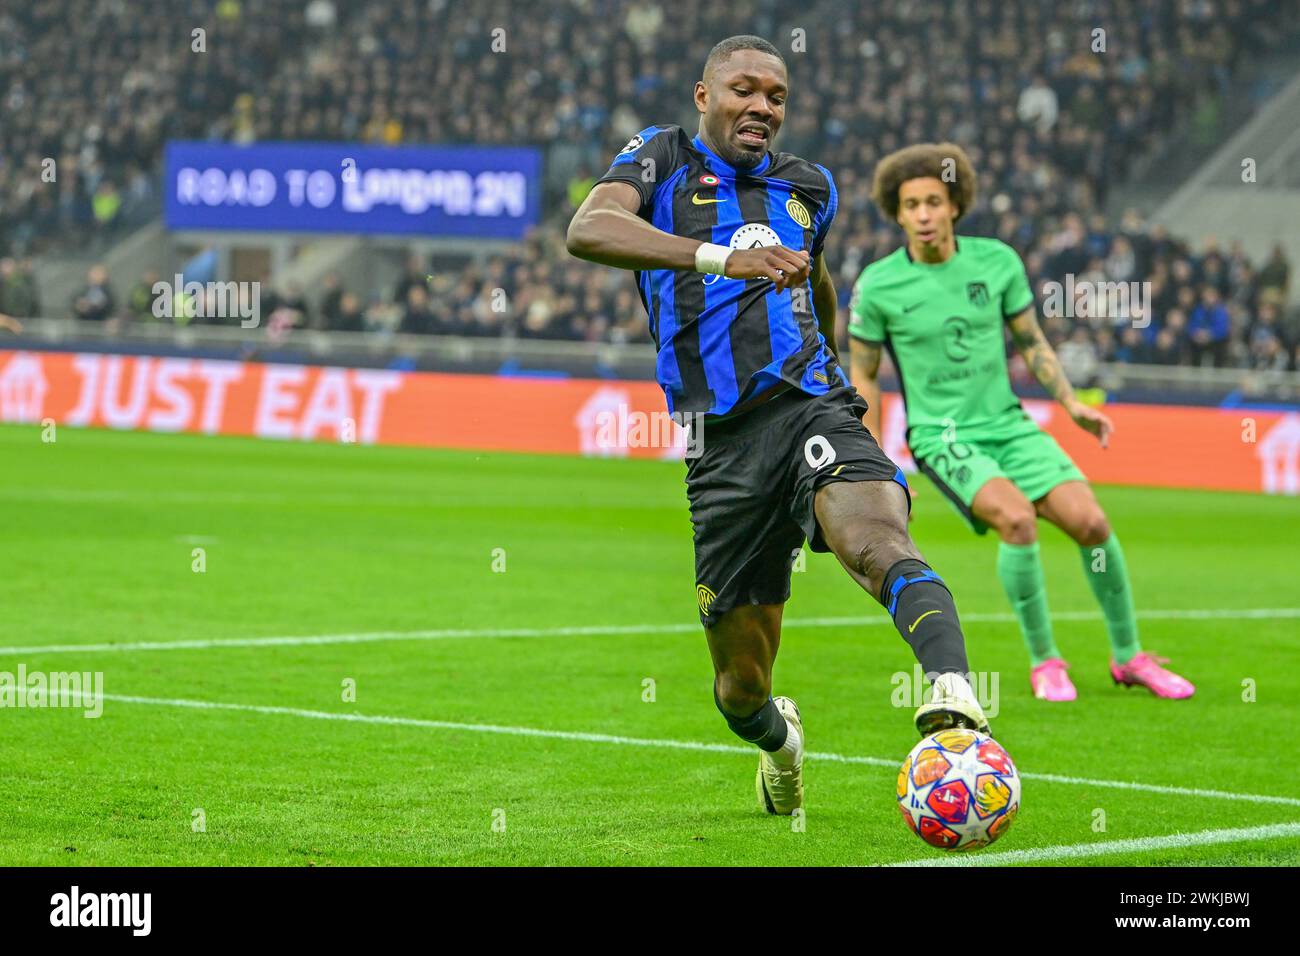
point(924, 613)
point(766, 727)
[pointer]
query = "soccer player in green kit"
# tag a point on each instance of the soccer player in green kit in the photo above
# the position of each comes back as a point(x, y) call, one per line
point(938, 305)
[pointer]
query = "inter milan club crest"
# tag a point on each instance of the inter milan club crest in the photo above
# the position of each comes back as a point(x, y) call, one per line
point(705, 597)
point(978, 293)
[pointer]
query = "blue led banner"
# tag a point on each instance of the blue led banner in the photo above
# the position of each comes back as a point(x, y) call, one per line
point(459, 191)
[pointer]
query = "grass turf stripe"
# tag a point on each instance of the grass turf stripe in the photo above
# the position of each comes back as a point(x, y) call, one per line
point(597, 630)
point(586, 737)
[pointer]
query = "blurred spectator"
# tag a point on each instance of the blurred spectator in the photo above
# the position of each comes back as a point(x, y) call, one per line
point(289, 311)
point(1131, 348)
point(1079, 358)
point(1086, 109)
point(1168, 348)
point(1270, 344)
point(320, 15)
point(1267, 352)
point(1121, 263)
point(1208, 329)
point(106, 205)
point(350, 317)
point(18, 295)
point(1037, 106)
point(330, 309)
point(281, 321)
point(141, 297)
point(294, 298)
point(417, 317)
point(578, 188)
point(94, 303)
point(414, 275)
point(382, 316)
point(1274, 278)
point(642, 23)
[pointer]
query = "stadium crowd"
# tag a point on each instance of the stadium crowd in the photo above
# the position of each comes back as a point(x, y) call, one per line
point(1053, 102)
point(1205, 307)
point(90, 90)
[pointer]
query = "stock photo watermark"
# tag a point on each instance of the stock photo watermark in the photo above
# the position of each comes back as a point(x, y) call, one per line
point(909, 688)
point(623, 427)
point(75, 908)
point(83, 690)
point(208, 300)
point(1083, 298)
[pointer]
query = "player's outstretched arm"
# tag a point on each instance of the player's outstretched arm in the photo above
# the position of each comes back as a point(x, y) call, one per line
point(864, 369)
point(607, 229)
point(1041, 359)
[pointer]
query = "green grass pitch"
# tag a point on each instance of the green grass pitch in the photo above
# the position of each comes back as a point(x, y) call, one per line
point(594, 578)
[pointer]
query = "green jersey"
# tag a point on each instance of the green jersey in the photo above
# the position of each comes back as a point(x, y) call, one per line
point(942, 326)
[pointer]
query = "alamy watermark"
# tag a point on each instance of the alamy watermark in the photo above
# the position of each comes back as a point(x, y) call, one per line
point(208, 300)
point(624, 427)
point(1115, 300)
point(909, 689)
point(130, 910)
point(83, 689)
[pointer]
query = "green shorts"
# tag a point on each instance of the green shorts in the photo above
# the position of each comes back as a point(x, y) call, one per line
point(1031, 460)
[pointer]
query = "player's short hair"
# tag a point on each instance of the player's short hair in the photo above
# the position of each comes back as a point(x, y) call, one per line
point(719, 54)
point(946, 162)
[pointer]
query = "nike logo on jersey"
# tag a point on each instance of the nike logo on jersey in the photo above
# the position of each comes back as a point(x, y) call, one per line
point(922, 618)
point(911, 307)
point(702, 202)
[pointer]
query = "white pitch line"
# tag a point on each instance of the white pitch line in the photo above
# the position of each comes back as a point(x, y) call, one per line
point(595, 630)
point(1075, 851)
point(431, 724)
point(667, 744)
point(1107, 784)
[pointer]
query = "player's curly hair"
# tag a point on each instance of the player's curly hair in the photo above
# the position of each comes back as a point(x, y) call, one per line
point(946, 162)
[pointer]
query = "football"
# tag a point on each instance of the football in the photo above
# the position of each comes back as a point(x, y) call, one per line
point(958, 790)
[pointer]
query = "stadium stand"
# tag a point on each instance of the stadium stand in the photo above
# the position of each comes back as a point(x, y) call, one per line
point(1050, 131)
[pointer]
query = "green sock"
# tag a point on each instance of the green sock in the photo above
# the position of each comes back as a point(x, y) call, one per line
point(1021, 573)
point(1103, 566)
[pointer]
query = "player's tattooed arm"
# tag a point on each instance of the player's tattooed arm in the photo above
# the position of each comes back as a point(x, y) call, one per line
point(824, 304)
point(864, 369)
point(1041, 359)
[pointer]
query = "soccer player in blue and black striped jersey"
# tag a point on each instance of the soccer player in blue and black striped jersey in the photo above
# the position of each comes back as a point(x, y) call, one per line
point(726, 238)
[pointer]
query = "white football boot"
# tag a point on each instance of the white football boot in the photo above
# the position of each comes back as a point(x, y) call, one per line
point(952, 704)
point(780, 789)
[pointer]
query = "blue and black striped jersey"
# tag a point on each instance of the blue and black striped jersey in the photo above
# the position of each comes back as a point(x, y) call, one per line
point(724, 341)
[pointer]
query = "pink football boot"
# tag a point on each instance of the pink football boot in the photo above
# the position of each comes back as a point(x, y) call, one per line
point(1050, 682)
point(1144, 670)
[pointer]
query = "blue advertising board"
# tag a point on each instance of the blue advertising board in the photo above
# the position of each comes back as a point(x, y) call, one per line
point(453, 191)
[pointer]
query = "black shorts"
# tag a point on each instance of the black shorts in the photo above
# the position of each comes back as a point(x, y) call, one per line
point(751, 492)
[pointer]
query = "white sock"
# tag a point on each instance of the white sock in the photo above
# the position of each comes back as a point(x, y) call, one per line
point(791, 751)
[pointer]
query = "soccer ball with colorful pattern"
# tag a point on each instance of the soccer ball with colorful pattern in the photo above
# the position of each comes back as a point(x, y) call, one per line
point(958, 790)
